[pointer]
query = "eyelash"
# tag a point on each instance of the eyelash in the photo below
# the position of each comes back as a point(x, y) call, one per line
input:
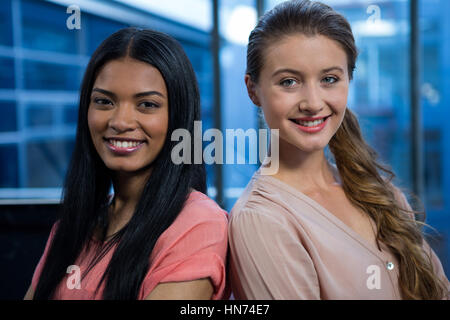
point(103, 101)
point(150, 105)
point(334, 78)
point(283, 82)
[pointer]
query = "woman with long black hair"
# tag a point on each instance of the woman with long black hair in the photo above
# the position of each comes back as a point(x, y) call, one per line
point(158, 236)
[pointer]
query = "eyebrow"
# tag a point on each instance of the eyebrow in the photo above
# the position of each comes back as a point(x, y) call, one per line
point(137, 95)
point(301, 73)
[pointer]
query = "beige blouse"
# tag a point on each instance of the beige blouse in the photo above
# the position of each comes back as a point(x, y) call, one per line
point(284, 245)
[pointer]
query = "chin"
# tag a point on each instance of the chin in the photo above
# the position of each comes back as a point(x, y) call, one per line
point(311, 148)
point(119, 167)
point(309, 145)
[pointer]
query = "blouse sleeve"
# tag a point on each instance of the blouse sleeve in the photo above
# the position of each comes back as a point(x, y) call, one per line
point(437, 265)
point(194, 247)
point(268, 261)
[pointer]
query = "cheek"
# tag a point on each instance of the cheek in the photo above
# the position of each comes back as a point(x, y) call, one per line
point(338, 99)
point(97, 124)
point(156, 127)
point(94, 122)
point(275, 107)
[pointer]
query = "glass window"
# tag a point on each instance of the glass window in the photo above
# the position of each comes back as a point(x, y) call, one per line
point(39, 116)
point(7, 73)
point(435, 101)
point(44, 28)
point(201, 60)
point(8, 121)
point(237, 19)
point(5, 23)
point(9, 172)
point(47, 162)
point(39, 119)
point(70, 115)
point(50, 76)
point(194, 13)
point(103, 28)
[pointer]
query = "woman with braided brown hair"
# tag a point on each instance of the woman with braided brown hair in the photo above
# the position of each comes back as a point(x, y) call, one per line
point(315, 230)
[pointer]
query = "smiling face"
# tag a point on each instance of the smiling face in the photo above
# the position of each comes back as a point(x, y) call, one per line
point(302, 89)
point(128, 114)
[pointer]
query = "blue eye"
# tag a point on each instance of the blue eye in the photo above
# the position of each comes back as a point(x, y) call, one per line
point(330, 80)
point(288, 83)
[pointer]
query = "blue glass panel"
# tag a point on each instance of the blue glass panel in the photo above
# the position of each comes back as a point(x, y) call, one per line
point(6, 73)
point(39, 116)
point(9, 172)
point(44, 28)
point(47, 162)
point(48, 76)
point(103, 29)
point(8, 120)
point(70, 114)
point(5, 23)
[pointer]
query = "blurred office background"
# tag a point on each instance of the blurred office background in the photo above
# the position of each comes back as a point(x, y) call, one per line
point(401, 93)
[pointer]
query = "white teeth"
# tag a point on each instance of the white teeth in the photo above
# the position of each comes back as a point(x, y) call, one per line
point(124, 144)
point(310, 123)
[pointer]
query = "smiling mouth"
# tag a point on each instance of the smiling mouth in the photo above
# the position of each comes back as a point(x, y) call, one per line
point(124, 143)
point(123, 146)
point(310, 122)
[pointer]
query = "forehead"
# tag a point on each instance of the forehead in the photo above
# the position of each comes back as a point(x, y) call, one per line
point(127, 74)
point(308, 54)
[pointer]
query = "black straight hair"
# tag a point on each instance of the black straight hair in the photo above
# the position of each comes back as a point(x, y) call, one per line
point(88, 180)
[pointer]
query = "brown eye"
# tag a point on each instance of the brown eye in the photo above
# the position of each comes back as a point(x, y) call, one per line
point(148, 105)
point(102, 101)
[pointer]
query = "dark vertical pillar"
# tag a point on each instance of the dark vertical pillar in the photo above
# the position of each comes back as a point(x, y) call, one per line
point(259, 114)
point(215, 48)
point(416, 110)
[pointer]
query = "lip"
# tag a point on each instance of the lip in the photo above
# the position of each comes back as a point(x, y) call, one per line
point(123, 151)
point(124, 139)
point(312, 118)
point(314, 129)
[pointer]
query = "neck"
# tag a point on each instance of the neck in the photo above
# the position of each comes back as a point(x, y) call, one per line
point(304, 170)
point(128, 188)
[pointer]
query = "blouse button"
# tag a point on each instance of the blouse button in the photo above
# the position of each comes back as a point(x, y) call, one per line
point(390, 265)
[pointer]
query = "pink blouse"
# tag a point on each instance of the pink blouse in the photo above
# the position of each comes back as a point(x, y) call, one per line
point(285, 245)
point(193, 247)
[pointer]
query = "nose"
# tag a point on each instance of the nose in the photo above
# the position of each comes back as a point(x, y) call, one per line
point(123, 118)
point(312, 100)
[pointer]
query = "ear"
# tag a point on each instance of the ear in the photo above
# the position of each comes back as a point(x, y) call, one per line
point(251, 90)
